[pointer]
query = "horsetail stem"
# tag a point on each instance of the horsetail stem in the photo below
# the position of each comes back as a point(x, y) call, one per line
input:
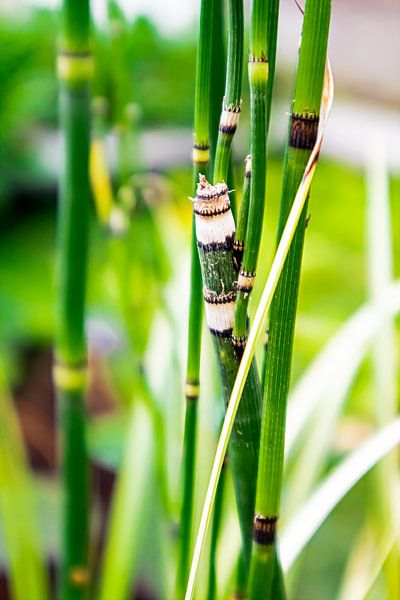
point(218, 71)
point(302, 137)
point(216, 526)
point(201, 159)
point(74, 72)
point(215, 231)
point(261, 68)
point(233, 89)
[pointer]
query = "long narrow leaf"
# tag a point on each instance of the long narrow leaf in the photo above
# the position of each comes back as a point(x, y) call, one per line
point(310, 517)
point(346, 349)
point(19, 517)
point(120, 555)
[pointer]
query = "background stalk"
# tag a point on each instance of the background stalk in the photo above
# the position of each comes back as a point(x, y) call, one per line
point(74, 71)
point(262, 52)
point(302, 136)
point(201, 159)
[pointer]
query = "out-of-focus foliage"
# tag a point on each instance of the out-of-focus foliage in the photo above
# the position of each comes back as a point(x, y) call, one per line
point(160, 80)
point(161, 71)
point(28, 91)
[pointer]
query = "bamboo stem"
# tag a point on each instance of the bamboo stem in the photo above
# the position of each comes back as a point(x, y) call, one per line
point(302, 137)
point(74, 71)
point(201, 159)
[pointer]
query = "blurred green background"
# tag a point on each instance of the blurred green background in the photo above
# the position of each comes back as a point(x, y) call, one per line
point(139, 273)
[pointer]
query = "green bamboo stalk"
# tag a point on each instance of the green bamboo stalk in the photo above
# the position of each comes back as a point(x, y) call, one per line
point(233, 90)
point(262, 53)
point(302, 136)
point(74, 71)
point(201, 160)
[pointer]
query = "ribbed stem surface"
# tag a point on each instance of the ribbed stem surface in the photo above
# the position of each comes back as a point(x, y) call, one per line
point(74, 70)
point(261, 68)
point(201, 159)
point(215, 531)
point(302, 136)
point(215, 231)
point(233, 89)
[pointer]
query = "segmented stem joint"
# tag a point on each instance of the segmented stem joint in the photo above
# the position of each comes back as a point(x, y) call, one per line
point(303, 131)
point(264, 529)
point(74, 68)
point(245, 281)
point(192, 390)
point(201, 154)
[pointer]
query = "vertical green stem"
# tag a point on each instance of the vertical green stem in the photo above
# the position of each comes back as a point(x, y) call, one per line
point(216, 526)
point(302, 136)
point(218, 68)
point(74, 70)
point(262, 52)
point(233, 89)
point(201, 158)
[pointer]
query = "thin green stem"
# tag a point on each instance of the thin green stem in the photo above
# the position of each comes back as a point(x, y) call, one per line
point(201, 159)
point(218, 70)
point(238, 245)
point(233, 89)
point(302, 137)
point(262, 52)
point(215, 530)
point(74, 70)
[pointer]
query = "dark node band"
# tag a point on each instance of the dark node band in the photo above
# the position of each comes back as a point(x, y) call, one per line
point(205, 196)
point(245, 289)
point(210, 211)
point(239, 344)
point(303, 131)
point(238, 250)
point(232, 108)
point(238, 246)
point(201, 146)
point(258, 59)
point(217, 246)
point(266, 338)
point(75, 54)
point(192, 388)
point(224, 334)
point(227, 129)
point(212, 298)
point(264, 530)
